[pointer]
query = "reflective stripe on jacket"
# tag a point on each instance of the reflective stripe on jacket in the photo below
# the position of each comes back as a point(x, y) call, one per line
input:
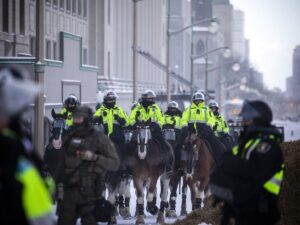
point(197, 114)
point(36, 199)
point(152, 112)
point(272, 185)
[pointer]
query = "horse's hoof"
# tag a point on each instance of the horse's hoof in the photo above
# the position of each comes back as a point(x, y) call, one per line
point(152, 208)
point(140, 220)
point(171, 213)
point(183, 212)
point(160, 218)
point(124, 212)
point(113, 221)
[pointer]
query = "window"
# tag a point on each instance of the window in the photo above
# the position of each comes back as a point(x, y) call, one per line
point(84, 8)
point(55, 3)
point(62, 4)
point(5, 15)
point(74, 6)
point(32, 46)
point(48, 2)
point(22, 17)
point(79, 7)
point(85, 56)
point(54, 51)
point(68, 5)
point(48, 49)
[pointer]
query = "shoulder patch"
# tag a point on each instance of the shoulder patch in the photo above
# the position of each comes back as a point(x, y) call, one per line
point(263, 147)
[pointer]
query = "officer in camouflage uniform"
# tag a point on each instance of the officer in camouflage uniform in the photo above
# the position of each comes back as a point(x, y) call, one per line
point(88, 154)
point(249, 178)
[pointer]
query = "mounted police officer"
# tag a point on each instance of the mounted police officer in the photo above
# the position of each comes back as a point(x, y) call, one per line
point(199, 119)
point(148, 111)
point(70, 104)
point(88, 154)
point(221, 127)
point(113, 118)
point(172, 121)
point(249, 178)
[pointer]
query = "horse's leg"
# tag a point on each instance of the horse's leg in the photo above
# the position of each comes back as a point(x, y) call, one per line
point(123, 210)
point(171, 212)
point(183, 200)
point(138, 183)
point(190, 183)
point(199, 195)
point(151, 195)
point(165, 182)
point(127, 196)
point(112, 199)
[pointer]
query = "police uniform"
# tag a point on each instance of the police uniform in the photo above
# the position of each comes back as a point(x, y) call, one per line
point(250, 176)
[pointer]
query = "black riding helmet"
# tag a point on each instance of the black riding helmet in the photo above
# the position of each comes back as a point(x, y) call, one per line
point(71, 102)
point(257, 111)
point(110, 99)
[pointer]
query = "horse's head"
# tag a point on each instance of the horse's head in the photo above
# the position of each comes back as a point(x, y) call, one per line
point(190, 148)
point(58, 129)
point(143, 135)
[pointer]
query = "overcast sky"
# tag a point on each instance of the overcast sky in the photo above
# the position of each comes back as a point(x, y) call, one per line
point(273, 27)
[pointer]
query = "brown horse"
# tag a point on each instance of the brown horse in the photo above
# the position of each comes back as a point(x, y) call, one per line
point(198, 163)
point(147, 165)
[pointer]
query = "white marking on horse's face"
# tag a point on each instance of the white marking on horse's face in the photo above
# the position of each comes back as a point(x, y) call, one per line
point(189, 176)
point(142, 155)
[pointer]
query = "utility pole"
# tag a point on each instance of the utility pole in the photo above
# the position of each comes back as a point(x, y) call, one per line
point(134, 46)
point(168, 53)
point(206, 65)
point(39, 69)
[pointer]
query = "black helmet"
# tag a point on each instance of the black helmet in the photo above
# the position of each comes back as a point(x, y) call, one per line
point(71, 102)
point(87, 115)
point(16, 92)
point(111, 95)
point(258, 111)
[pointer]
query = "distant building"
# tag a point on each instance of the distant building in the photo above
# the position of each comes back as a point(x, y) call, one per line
point(238, 36)
point(293, 82)
point(223, 10)
point(68, 38)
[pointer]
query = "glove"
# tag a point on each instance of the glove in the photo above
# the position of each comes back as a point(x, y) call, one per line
point(120, 120)
point(98, 120)
point(215, 127)
point(88, 155)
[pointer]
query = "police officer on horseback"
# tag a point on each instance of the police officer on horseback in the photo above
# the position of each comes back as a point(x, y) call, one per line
point(172, 121)
point(199, 119)
point(221, 127)
point(70, 104)
point(112, 117)
point(88, 154)
point(148, 111)
point(249, 178)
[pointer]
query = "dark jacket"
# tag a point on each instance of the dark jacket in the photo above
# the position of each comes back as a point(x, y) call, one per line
point(91, 140)
point(244, 173)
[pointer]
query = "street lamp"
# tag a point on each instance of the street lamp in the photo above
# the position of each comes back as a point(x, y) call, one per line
point(226, 54)
point(213, 27)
